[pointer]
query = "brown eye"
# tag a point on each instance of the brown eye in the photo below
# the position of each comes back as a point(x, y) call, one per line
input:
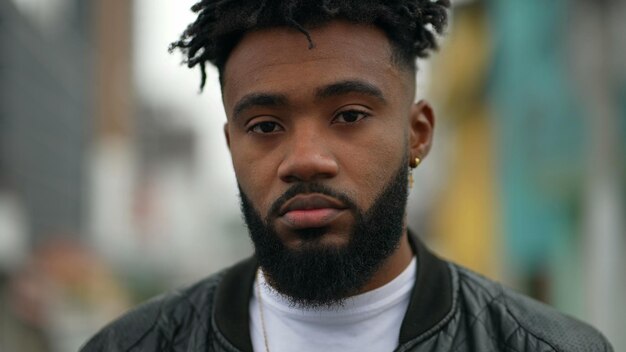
point(265, 127)
point(350, 116)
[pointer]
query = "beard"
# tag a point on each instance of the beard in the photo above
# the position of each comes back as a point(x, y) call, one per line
point(315, 274)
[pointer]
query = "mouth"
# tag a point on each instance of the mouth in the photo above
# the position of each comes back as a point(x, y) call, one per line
point(310, 211)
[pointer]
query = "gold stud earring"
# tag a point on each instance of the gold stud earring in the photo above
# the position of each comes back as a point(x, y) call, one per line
point(413, 165)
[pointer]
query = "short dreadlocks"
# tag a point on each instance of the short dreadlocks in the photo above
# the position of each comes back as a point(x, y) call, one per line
point(410, 25)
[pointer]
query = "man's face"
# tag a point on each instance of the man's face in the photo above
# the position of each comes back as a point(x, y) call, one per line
point(340, 116)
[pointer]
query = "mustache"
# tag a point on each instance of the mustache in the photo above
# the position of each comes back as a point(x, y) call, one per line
point(307, 188)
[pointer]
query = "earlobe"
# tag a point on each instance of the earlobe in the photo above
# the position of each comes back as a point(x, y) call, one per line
point(227, 135)
point(421, 125)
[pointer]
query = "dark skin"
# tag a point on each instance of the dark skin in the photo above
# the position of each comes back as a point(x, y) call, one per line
point(341, 114)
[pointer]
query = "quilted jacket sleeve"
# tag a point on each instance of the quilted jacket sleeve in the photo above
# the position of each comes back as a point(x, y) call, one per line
point(176, 321)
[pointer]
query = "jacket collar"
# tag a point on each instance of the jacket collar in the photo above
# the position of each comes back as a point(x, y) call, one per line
point(431, 298)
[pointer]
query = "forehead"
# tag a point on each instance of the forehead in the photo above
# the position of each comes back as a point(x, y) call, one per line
point(279, 60)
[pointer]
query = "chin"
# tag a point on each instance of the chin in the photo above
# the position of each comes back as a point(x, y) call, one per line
point(336, 236)
point(315, 238)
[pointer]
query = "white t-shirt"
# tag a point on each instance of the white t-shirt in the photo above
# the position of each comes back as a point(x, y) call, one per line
point(367, 322)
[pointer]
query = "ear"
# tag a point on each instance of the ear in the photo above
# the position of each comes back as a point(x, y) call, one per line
point(421, 129)
point(227, 135)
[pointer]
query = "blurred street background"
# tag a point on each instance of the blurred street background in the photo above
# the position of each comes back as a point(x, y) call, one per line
point(116, 183)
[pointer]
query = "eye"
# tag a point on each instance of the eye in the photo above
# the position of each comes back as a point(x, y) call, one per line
point(265, 127)
point(350, 116)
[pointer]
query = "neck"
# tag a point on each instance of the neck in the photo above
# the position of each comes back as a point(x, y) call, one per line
point(393, 266)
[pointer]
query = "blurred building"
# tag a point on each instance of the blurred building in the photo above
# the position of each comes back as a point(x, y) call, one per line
point(531, 93)
point(46, 95)
point(45, 100)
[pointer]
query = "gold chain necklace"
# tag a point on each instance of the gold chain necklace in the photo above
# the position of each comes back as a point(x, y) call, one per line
point(260, 300)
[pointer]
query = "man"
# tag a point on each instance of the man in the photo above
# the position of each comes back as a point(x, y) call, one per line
point(323, 131)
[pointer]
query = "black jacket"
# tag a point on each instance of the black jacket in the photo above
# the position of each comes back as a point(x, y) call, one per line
point(451, 309)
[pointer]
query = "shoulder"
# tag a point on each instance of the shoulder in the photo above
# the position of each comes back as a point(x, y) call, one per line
point(516, 322)
point(154, 324)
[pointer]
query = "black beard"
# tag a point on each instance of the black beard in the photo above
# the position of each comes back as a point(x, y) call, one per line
point(318, 275)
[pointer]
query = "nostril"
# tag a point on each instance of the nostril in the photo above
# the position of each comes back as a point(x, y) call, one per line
point(308, 168)
point(290, 179)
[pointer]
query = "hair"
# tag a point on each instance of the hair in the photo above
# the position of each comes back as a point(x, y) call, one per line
point(410, 25)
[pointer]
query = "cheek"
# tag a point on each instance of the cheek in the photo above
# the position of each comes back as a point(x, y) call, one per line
point(372, 163)
point(255, 173)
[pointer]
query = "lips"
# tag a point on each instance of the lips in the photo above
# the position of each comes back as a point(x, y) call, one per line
point(310, 211)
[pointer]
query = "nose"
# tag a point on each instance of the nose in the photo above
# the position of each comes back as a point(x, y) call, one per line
point(308, 157)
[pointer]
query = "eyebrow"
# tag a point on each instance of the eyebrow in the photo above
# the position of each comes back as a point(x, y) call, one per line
point(259, 99)
point(350, 86)
point(332, 90)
